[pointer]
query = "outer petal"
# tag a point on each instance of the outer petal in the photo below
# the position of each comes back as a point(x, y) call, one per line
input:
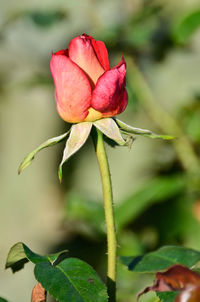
point(82, 52)
point(110, 95)
point(102, 53)
point(72, 89)
point(64, 52)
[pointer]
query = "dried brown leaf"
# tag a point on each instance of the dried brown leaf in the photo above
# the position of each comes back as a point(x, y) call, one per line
point(190, 294)
point(176, 278)
point(38, 294)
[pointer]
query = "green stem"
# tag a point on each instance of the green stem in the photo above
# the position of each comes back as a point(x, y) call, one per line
point(109, 215)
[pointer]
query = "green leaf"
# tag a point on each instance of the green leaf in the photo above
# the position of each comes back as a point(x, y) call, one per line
point(16, 257)
point(109, 128)
point(3, 300)
point(154, 191)
point(50, 142)
point(162, 259)
point(186, 26)
point(71, 280)
point(20, 254)
point(78, 136)
point(167, 296)
point(127, 129)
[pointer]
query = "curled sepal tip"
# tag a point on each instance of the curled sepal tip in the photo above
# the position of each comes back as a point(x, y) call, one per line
point(127, 129)
point(50, 142)
point(78, 136)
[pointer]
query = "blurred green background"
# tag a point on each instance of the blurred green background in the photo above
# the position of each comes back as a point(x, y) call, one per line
point(156, 184)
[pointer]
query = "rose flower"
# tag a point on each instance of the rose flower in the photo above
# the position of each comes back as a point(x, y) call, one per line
point(85, 88)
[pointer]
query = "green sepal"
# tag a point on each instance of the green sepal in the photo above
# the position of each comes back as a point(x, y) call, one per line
point(50, 142)
point(109, 128)
point(77, 138)
point(127, 129)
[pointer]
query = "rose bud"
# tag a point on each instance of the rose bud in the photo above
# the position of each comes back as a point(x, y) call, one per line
point(85, 88)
